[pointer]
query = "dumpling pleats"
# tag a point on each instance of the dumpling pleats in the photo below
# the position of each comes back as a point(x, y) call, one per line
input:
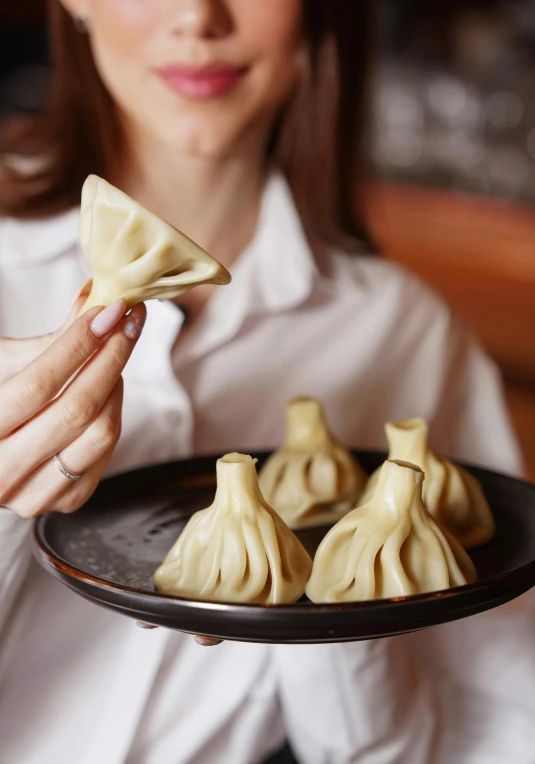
point(389, 547)
point(453, 497)
point(134, 254)
point(312, 479)
point(237, 550)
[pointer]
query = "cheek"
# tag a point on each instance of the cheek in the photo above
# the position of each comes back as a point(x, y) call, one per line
point(274, 24)
point(272, 32)
point(122, 28)
point(121, 35)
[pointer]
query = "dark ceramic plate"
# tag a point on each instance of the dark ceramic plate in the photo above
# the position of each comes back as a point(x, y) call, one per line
point(108, 551)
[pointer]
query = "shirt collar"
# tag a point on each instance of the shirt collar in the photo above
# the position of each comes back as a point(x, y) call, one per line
point(283, 266)
point(24, 242)
point(276, 272)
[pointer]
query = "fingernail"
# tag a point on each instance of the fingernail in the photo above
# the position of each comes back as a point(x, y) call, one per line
point(134, 323)
point(207, 641)
point(108, 318)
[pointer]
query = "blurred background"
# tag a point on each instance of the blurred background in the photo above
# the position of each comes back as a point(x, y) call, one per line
point(454, 148)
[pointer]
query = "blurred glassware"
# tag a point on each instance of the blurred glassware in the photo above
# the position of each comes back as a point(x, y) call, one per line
point(465, 117)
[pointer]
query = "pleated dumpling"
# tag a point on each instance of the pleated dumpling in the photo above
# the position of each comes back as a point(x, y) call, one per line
point(389, 547)
point(237, 550)
point(134, 254)
point(312, 479)
point(453, 496)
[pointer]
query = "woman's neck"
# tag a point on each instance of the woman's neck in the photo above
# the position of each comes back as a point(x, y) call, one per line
point(214, 201)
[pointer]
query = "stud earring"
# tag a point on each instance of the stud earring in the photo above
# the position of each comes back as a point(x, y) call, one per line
point(82, 24)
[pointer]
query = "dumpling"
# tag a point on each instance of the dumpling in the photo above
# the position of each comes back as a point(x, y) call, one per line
point(134, 254)
point(453, 496)
point(237, 550)
point(312, 479)
point(389, 547)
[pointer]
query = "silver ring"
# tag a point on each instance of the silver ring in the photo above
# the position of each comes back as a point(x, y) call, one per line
point(63, 469)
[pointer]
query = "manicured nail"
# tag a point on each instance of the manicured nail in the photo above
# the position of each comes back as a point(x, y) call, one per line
point(108, 318)
point(135, 321)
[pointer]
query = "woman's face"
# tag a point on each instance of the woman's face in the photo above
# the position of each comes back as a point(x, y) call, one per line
point(196, 75)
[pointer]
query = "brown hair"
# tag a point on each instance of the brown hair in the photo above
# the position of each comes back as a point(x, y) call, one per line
point(320, 143)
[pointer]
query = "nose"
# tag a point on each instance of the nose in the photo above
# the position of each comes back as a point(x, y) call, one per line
point(203, 19)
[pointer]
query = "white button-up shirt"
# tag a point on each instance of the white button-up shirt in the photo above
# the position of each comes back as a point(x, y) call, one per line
point(81, 685)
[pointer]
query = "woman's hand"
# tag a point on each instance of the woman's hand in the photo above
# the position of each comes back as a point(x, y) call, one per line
point(42, 413)
point(62, 394)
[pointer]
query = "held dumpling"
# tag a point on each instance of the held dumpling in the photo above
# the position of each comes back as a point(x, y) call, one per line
point(389, 547)
point(134, 254)
point(237, 550)
point(453, 496)
point(312, 479)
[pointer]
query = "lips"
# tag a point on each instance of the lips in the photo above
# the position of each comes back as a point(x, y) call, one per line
point(201, 83)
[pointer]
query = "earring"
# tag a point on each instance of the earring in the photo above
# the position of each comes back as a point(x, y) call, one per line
point(82, 24)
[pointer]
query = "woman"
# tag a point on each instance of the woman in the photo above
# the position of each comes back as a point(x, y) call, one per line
point(242, 124)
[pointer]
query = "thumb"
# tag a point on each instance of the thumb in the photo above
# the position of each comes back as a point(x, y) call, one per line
point(74, 310)
point(47, 339)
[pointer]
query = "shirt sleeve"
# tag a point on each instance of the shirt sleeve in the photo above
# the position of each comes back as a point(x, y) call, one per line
point(15, 556)
point(472, 423)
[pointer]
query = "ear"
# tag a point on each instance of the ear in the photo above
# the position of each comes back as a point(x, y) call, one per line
point(78, 9)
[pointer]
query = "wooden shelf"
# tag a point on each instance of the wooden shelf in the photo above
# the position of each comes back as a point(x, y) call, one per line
point(480, 255)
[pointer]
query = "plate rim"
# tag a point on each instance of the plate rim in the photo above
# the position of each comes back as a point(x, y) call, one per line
point(513, 579)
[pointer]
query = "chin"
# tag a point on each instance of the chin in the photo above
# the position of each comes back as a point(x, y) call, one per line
point(202, 140)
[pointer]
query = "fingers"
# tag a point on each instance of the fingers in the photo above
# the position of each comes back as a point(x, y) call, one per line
point(202, 641)
point(207, 641)
point(75, 309)
point(26, 393)
point(46, 488)
point(74, 411)
point(99, 438)
point(42, 492)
